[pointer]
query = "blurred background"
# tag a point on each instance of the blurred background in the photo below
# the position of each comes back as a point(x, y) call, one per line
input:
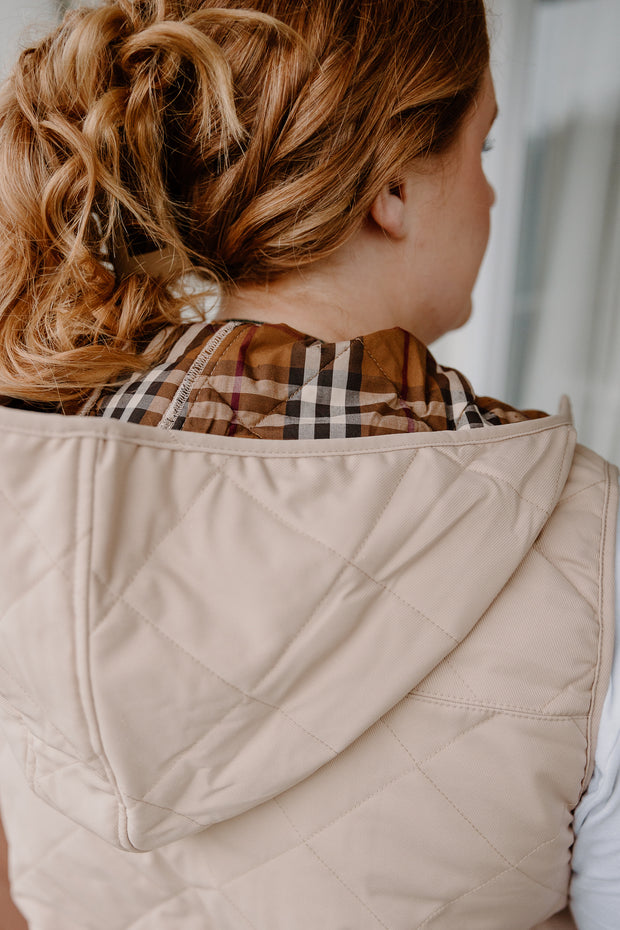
point(547, 303)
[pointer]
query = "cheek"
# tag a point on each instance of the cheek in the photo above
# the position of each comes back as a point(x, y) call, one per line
point(485, 228)
point(476, 197)
point(491, 193)
point(481, 214)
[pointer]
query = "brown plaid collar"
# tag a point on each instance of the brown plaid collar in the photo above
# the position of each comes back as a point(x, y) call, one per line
point(269, 381)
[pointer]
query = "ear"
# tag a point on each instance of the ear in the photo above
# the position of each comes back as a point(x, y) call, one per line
point(388, 211)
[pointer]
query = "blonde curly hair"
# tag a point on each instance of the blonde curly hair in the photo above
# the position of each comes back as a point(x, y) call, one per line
point(243, 138)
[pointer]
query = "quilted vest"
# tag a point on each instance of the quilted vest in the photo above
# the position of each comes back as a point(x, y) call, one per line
point(328, 684)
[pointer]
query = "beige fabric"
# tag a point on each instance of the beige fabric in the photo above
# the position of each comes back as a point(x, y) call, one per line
point(561, 921)
point(373, 668)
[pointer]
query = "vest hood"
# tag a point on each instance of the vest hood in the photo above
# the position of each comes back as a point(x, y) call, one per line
point(191, 624)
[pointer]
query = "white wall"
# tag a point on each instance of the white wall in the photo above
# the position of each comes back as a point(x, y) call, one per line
point(567, 312)
point(18, 21)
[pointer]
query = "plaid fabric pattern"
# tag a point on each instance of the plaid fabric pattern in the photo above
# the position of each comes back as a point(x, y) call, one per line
point(269, 381)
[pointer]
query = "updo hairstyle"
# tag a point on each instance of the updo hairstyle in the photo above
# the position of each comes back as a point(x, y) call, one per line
point(245, 138)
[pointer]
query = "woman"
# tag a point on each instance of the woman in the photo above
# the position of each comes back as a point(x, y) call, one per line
point(350, 681)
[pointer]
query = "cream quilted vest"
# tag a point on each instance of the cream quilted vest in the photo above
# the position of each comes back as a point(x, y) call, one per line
point(324, 685)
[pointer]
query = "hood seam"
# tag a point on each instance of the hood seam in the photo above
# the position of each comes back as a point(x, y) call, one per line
point(85, 515)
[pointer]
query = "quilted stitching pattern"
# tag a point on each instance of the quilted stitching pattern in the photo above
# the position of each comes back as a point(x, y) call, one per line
point(226, 709)
point(500, 863)
point(363, 613)
point(47, 726)
point(278, 406)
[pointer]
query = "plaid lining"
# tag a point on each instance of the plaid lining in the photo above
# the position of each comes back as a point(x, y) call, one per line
point(269, 381)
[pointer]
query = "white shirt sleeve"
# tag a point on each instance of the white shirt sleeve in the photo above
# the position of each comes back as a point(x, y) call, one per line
point(595, 886)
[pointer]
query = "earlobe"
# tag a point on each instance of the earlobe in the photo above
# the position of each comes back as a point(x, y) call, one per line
point(388, 211)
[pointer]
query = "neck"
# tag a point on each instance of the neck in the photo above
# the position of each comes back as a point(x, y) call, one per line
point(316, 311)
point(352, 293)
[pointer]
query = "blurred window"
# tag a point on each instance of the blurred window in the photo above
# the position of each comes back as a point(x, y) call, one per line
point(565, 333)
